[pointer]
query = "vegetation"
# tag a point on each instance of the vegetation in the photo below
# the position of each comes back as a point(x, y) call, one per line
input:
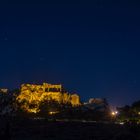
point(130, 113)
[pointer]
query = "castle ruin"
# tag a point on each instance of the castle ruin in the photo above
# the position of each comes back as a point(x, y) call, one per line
point(35, 94)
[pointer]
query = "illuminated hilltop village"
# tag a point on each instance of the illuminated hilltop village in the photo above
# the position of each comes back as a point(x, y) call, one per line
point(31, 94)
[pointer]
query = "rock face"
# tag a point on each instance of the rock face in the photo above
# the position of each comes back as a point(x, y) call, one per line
point(96, 101)
point(3, 90)
point(97, 104)
point(32, 95)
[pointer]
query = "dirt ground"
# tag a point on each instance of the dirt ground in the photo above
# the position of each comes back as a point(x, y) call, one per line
point(41, 129)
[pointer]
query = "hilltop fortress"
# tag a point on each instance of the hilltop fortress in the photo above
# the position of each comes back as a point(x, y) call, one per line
point(31, 97)
point(35, 94)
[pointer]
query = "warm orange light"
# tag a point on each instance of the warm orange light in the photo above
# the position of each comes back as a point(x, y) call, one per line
point(33, 111)
point(114, 113)
point(53, 112)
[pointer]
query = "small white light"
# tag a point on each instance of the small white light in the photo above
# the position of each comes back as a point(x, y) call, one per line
point(121, 123)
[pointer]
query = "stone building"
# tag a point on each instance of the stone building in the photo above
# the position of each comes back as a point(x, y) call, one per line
point(75, 100)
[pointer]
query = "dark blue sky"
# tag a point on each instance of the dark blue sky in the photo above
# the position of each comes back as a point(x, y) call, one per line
point(92, 49)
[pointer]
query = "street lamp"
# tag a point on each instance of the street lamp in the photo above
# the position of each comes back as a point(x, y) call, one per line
point(114, 113)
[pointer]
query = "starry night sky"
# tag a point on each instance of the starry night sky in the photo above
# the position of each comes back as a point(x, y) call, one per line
point(92, 49)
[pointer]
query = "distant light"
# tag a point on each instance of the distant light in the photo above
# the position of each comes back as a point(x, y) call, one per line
point(53, 112)
point(121, 123)
point(138, 113)
point(114, 113)
point(33, 111)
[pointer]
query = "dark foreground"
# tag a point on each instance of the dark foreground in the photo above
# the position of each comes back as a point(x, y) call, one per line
point(44, 130)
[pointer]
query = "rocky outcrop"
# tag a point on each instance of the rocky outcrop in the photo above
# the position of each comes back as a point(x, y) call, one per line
point(98, 104)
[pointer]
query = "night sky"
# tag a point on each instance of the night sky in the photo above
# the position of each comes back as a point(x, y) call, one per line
point(92, 49)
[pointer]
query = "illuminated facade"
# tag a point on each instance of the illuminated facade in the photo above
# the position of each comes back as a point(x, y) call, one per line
point(32, 95)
